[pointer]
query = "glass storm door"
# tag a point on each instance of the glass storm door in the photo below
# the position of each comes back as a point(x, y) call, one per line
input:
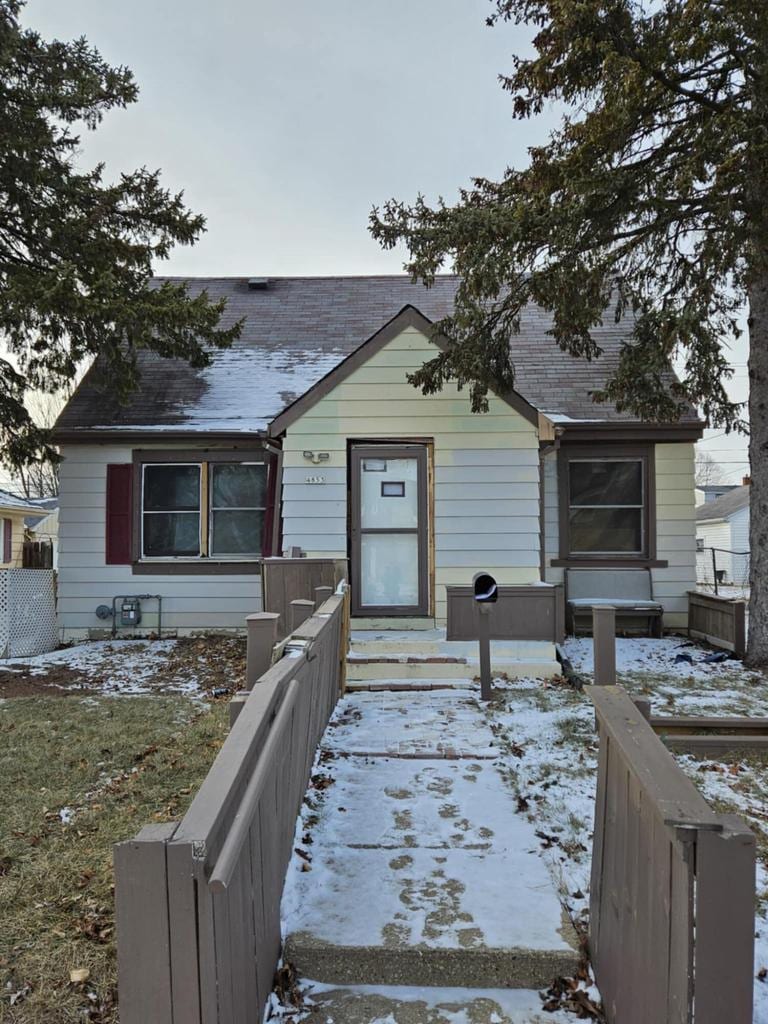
point(389, 530)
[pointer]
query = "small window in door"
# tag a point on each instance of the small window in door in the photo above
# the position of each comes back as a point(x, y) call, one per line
point(393, 488)
point(374, 465)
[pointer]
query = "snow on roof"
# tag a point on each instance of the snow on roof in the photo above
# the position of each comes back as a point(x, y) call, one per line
point(297, 330)
point(13, 503)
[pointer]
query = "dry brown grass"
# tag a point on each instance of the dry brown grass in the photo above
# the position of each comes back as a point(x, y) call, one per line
point(117, 764)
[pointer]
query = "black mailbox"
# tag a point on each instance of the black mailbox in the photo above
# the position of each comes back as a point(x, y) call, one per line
point(486, 588)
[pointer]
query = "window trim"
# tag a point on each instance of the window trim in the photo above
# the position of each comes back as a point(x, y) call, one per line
point(190, 565)
point(600, 452)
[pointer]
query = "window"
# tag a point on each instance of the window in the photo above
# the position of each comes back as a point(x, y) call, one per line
point(210, 509)
point(238, 504)
point(699, 543)
point(607, 507)
point(171, 511)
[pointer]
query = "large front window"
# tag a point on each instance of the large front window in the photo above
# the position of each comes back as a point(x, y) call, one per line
point(606, 506)
point(203, 509)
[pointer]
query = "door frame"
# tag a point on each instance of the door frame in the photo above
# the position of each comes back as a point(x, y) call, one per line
point(389, 450)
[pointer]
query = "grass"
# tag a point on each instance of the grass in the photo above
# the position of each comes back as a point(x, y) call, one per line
point(108, 766)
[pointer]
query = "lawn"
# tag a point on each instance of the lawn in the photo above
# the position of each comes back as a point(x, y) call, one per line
point(83, 766)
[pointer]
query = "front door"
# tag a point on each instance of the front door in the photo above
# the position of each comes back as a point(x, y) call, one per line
point(389, 530)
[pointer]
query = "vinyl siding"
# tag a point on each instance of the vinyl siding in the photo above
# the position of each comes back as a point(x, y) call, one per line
point(740, 542)
point(190, 603)
point(675, 528)
point(486, 472)
point(713, 535)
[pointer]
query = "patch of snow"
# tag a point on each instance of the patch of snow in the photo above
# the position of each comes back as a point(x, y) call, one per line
point(118, 667)
point(66, 814)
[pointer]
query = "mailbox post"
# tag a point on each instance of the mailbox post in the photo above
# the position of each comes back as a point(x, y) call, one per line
point(486, 593)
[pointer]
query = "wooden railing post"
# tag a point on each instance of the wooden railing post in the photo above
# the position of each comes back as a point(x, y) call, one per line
point(262, 636)
point(299, 612)
point(321, 595)
point(143, 948)
point(604, 641)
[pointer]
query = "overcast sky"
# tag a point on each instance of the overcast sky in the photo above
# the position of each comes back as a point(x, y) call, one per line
point(284, 123)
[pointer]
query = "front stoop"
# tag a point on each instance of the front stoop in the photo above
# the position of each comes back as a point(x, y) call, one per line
point(426, 655)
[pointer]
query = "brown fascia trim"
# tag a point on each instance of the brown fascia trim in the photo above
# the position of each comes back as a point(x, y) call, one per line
point(408, 316)
point(617, 430)
point(174, 567)
point(198, 438)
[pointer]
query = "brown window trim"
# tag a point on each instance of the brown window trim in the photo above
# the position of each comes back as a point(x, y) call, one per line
point(179, 566)
point(645, 559)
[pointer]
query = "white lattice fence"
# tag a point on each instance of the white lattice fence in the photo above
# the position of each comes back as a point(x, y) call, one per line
point(27, 612)
point(5, 615)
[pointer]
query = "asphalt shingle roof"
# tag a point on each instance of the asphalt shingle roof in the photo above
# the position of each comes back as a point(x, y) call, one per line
point(299, 329)
point(724, 506)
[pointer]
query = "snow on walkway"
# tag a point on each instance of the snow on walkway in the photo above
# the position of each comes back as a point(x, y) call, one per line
point(418, 869)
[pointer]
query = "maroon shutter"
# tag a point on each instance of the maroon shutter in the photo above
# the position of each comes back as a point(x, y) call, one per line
point(119, 513)
point(7, 540)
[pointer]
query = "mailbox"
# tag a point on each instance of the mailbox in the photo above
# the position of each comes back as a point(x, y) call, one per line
point(486, 591)
point(486, 588)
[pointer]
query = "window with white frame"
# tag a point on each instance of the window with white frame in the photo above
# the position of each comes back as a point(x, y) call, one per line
point(607, 506)
point(203, 509)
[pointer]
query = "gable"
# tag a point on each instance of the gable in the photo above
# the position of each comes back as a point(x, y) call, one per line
point(403, 345)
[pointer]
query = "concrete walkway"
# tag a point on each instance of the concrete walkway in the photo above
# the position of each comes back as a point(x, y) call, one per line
point(422, 873)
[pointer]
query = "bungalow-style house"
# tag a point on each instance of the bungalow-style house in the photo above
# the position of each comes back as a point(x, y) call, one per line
point(722, 526)
point(306, 435)
point(13, 512)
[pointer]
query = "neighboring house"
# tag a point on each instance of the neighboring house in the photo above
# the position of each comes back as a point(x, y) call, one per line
point(306, 434)
point(13, 511)
point(723, 525)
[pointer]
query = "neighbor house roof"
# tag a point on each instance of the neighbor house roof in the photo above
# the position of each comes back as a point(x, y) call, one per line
point(724, 506)
point(13, 503)
point(299, 329)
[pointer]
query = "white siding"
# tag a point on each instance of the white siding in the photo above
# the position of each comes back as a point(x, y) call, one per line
point(190, 603)
point(486, 472)
point(675, 531)
point(675, 528)
point(740, 542)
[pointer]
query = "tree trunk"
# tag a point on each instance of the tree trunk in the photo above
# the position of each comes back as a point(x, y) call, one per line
point(757, 645)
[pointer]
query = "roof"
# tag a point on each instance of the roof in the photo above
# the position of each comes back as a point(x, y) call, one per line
point(13, 503)
point(44, 506)
point(299, 329)
point(724, 506)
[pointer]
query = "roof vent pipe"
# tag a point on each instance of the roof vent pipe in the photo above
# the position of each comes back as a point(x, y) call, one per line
point(258, 283)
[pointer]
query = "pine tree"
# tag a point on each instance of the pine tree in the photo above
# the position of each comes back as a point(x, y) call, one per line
point(76, 252)
point(648, 202)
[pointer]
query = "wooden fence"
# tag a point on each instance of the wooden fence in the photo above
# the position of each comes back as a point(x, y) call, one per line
point(198, 902)
point(672, 904)
point(721, 621)
point(37, 554)
point(287, 579)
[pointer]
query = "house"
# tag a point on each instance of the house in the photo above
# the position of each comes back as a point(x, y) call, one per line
point(13, 512)
point(306, 434)
point(722, 538)
point(708, 492)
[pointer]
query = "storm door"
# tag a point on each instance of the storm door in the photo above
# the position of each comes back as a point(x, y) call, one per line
point(389, 530)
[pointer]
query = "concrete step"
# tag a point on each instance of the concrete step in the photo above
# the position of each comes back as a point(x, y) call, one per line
point(372, 1004)
point(359, 669)
point(410, 685)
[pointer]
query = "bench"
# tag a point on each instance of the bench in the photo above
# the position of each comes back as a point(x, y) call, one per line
point(629, 591)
